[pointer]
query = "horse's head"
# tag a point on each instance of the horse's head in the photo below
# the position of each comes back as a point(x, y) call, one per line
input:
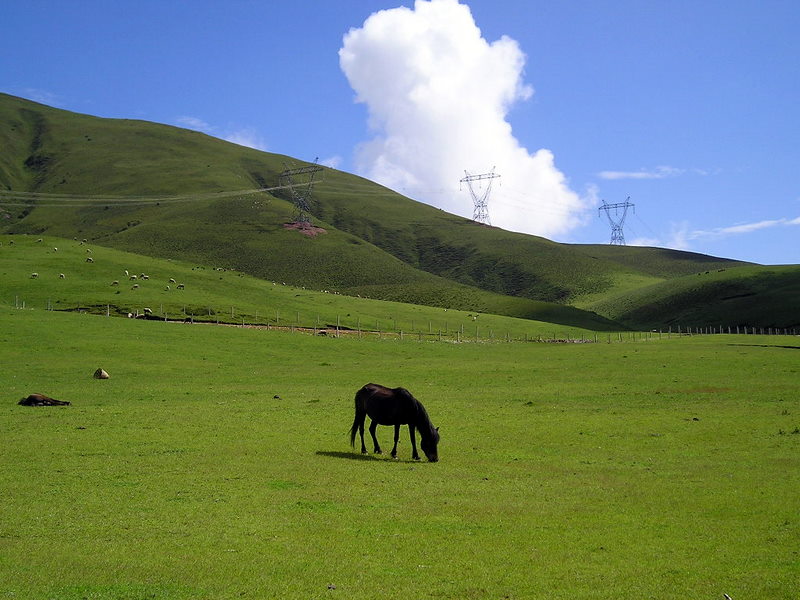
point(429, 445)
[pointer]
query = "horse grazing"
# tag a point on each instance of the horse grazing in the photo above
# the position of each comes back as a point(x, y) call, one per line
point(386, 406)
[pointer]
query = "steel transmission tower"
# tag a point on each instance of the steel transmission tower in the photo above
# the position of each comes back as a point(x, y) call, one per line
point(481, 212)
point(300, 182)
point(617, 220)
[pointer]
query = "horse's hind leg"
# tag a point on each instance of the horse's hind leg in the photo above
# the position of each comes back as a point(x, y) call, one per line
point(361, 433)
point(372, 427)
point(396, 437)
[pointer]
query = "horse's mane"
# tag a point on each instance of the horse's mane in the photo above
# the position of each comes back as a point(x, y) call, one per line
point(422, 415)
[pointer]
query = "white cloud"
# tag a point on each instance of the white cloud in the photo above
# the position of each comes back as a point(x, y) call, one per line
point(244, 136)
point(644, 241)
point(721, 232)
point(682, 235)
point(41, 96)
point(661, 172)
point(332, 161)
point(438, 95)
point(247, 137)
point(194, 123)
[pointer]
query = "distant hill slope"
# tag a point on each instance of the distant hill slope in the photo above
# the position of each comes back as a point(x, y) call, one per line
point(750, 295)
point(168, 192)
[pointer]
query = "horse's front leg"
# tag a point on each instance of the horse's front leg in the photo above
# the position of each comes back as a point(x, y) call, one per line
point(396, 438)
point(412, 433)
point(372, 427)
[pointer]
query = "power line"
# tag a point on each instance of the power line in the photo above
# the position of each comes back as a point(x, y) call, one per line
point(59, 200)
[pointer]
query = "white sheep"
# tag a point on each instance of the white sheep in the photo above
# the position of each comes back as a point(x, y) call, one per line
point(166, 289)
point(145, 277)
point(89, 259)
point(132, 277)
point(62, 276)
point(135, 286)
point(148, 311)
point(39, 241)
point(171, 280)
point(34, 275)
point(181, 286)
point(115, 282)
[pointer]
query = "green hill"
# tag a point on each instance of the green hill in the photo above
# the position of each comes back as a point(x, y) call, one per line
point(751, 295)
point(167, 192)
point(72, 275)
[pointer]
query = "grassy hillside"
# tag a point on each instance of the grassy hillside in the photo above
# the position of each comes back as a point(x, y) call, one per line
point(211, 293)
point(764, 296)
point(57, 152)
point(167, 192)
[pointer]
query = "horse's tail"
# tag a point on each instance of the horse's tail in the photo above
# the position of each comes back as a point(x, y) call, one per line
point(354, 430)
point(358, 420)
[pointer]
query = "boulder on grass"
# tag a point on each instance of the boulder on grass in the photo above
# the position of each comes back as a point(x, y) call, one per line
point(101, 374)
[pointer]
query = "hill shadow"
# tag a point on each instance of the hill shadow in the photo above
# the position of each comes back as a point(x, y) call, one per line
point(767, 346)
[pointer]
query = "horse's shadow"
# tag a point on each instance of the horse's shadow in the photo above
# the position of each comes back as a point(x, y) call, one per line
point(356, 456)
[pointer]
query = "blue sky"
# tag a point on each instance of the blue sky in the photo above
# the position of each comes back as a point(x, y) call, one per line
point(689, 108)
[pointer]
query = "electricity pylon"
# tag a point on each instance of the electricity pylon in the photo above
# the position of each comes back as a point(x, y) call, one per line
point(618, 219)
point(300, 190)
point(481, 201)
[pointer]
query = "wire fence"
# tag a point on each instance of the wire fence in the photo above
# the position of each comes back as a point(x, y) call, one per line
point(389, 329)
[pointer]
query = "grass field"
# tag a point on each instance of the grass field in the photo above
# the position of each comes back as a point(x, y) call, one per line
point(215, 463)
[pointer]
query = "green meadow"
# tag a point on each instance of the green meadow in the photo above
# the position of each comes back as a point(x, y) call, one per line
point(215, 294)
point(215, 463)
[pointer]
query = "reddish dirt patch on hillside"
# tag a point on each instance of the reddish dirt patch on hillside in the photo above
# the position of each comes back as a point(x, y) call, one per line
point(305, 228)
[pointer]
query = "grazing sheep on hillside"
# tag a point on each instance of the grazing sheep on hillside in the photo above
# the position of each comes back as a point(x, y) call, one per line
point(181, 286)
point(148, 311)
point(132, 277)
point(89, 250)
point(55, 249)
point(145, 277)
point(167, 289)
point(126, 273)
point(115, 282)
point(39, 241)
point(171, 280)
point(34, 275)
point(89, 259)
point(62, 276)
point(135, 286)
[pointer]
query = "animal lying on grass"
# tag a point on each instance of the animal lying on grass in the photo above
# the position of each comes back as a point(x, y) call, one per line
point(386, 406)
point(41, 400)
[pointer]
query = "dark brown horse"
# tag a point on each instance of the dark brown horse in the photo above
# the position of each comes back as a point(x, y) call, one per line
point(386, 406)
